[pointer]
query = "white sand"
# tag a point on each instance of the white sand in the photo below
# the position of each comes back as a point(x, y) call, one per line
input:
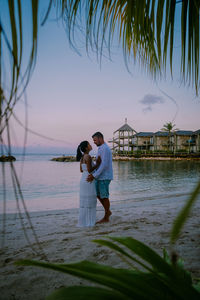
point(149, 221)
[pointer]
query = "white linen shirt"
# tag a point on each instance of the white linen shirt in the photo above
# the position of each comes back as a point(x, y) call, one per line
point(105, 170)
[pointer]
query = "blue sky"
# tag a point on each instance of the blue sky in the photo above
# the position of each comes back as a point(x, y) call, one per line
point(71, 96)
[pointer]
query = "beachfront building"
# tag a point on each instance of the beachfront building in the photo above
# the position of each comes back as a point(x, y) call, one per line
point(122, 139)
point(162, 141)
point(196, 138)
point(127, 141)
point(177, 141)
point(143, 141)
point(184, 140)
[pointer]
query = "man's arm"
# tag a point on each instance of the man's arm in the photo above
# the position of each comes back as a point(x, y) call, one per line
point(102, 155)
point(104, 162)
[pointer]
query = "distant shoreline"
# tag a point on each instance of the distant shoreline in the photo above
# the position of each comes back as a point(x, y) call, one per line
point(129, 158)
point(135, 157)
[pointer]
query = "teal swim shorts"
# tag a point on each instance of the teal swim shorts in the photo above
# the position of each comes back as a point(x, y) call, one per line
point(102, 188)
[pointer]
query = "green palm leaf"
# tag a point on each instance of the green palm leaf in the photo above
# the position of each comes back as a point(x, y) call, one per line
point(184, 213)
point(129, 283)
point(146, 253)
point(15, 70)
point(164, 280)
point(122, 252)
point(172, 275)
point(144, 28)
point(84, 292)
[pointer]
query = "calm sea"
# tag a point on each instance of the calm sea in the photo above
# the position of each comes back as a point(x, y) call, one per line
point(50, 185)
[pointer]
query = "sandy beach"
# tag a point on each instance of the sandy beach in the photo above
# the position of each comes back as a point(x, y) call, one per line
point(149, 221)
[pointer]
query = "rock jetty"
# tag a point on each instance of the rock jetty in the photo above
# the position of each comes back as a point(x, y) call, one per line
point(64, 158)
point(4, 158)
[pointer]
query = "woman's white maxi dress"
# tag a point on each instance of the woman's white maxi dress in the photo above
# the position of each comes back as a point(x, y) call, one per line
point(88, 200)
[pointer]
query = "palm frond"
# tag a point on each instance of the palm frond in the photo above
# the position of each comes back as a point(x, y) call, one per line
point(13, 85)
point(84, 292)
point(183, 215)
point(163, 281)
point(145, 29)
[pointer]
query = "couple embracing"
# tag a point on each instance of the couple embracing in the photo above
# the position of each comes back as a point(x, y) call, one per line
point(95, 180)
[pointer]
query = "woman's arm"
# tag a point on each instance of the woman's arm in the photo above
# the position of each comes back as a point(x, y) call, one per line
point(98, 162)
point(88, 161)
point(81, 161)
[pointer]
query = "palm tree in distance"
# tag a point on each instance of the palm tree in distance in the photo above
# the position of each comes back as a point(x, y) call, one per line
point(169, 127)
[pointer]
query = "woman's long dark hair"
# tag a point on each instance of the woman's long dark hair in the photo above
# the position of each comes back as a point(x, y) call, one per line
point(81, 149)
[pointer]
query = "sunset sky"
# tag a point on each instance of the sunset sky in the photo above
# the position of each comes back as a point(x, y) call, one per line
point(70, 96)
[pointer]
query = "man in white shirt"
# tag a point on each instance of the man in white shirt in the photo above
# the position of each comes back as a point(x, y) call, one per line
point(103, 175)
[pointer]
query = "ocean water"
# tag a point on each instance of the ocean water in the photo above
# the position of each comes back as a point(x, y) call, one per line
point(50, 185)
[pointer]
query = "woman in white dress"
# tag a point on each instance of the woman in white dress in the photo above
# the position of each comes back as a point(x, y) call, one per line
point(88, 198)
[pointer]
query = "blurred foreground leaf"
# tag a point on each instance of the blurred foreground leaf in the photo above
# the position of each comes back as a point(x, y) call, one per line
point(161, 281)
point(183, 215)
point(83, 292)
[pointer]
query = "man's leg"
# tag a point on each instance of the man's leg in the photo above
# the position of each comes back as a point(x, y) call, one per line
point(108, 213)
point(102, 187)
point(106, 204)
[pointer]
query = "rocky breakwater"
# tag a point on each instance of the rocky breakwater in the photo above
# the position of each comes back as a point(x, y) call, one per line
point(64, 158)
point(5, 158)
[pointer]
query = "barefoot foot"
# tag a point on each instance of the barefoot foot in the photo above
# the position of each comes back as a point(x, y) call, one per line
point(104, 220)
